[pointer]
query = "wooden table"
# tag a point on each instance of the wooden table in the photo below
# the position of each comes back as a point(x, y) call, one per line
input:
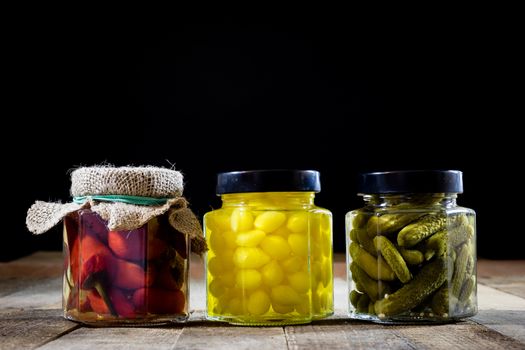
point(31, 317)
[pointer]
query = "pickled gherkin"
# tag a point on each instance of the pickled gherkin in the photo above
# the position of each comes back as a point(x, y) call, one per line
point(371, 308)
point(424, 238)
point(467, 288)
point(373, 289)
point(461, 232)
point(366, 242)
point(411, 256)
point(460, 269)
point(353, 234)
point(360, 220)
point(354, 297)
point(363, 303)
point(359, 287)
point(388, 223)
point(427, 281)
point(423, 228)
point(441, 302)
point(373, 266)
point(436, 245)
point(393, 258)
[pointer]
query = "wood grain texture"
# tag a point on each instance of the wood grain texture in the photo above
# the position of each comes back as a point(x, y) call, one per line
point(504, 275)
point(116, 338)
point(345, 335)
point(217, 337)
point(507, 284)
point(501, 311)
point(31, 328)
point(22, 273)
point(507, 322)
point(462, 335)
point(31, 316)
point(492, 268)
point(493, 299)
point(41, 294)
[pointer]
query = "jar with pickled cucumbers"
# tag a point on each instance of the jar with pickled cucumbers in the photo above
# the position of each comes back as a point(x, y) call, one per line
point(411, 250)
point(270, 249)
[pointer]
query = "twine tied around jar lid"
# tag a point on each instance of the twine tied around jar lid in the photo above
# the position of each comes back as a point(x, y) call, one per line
point(126, 198)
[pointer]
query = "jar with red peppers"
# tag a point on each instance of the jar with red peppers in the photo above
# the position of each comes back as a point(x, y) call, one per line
point(127, 238)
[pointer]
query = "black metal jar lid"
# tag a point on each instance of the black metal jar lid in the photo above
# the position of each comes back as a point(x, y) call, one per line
point(411, 181)
point(277, 180)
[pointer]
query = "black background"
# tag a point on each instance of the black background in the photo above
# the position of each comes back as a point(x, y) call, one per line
point(210, 95)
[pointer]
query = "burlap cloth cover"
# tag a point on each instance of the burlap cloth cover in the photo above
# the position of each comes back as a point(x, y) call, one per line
point(150, 182)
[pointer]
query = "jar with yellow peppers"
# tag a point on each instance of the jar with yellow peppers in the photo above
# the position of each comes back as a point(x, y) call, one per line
point(270, 249)
point(411, 249)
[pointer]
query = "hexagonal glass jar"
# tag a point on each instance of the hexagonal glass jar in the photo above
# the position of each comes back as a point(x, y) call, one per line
point(270, 250)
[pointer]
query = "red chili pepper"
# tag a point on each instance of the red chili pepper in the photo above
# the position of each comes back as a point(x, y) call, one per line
point(97, 303)
point(89, 248)
point(95, 271)
point(83, 250)
point(71, 227)
point(159, 301)
point(136, 244)
point(93, 276)
point(156, 247)
point(128, 275)
point(123, 305)
point(170, 278)
point(71, 250)
point(74, 262)
point(91, 223)
point(175, 238)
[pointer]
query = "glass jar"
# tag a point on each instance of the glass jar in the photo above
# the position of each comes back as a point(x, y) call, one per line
point(270, 250)
point(411, 250)
point(124, 277)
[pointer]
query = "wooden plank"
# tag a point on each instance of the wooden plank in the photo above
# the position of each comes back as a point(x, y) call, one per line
point(197, 283)
point(505, 275)
point(492, 299)
point(219, 337)
point(41, 294)
point(116, 338)
point(340, 267)
point(493, 268)
point(340, 298)
point(22, 273)
point(501, 311)
point(345, 335)
point(511, 284)
point(507, 322)
point(462, 335)
point(39, 264)
point(31, 328)
point(30, 285)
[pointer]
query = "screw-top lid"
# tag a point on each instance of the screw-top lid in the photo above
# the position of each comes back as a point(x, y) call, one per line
point(268, 181)
point(411, 181)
